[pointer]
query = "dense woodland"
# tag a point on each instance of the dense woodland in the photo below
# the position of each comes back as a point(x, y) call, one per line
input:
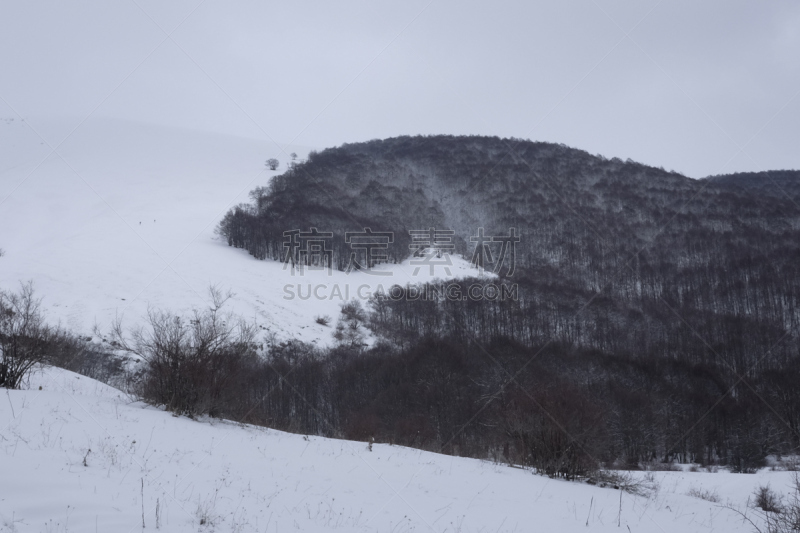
point(656, 320)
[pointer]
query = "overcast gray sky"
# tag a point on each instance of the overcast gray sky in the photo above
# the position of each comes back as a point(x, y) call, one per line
point(701, 87)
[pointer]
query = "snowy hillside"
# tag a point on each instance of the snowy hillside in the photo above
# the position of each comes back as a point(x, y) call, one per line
point(79, 456)
point(126, 220)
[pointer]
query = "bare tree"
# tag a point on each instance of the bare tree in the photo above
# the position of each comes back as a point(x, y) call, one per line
point(272, 163)
point(192, 363)
point(25, 339)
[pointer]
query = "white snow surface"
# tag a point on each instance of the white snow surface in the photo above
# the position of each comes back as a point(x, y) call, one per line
point(122, 216)
point(181, 475)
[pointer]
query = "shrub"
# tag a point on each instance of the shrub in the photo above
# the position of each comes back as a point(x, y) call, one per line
point(349, 330)
point(704, 494)
point(776, 515)
point(625, 481)
point(81, 356)
point(25, 339)
point(194, 365)
point(767, 500)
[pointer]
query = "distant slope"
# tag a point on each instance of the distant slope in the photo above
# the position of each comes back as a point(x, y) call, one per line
point(672, 290)
point(128, 223)
point(640, 236)
point(567, 202)
point(779, 183)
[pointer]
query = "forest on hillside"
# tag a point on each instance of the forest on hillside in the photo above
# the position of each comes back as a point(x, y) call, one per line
point(653, 318)
point(656, 315)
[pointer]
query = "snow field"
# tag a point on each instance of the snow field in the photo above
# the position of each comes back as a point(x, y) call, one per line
point(211, 475)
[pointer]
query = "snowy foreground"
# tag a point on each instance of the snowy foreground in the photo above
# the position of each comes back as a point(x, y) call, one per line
point(81, 456)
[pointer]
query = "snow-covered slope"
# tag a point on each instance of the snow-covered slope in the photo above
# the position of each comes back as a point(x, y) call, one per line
point(79, 456)
point(123, 218)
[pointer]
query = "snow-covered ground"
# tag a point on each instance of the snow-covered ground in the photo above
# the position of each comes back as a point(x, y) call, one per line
point(122, 217)
point(80, 456)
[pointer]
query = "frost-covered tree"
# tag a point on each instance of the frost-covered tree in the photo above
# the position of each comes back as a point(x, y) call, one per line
point(349, 330)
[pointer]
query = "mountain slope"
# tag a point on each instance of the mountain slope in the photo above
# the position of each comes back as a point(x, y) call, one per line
point(126, 222)
point(638, 235)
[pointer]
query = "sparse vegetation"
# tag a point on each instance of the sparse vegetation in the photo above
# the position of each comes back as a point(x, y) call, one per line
point(26, 340)
point(624, 481)
point(767, 499)
point(708, 495)
point(350, 329)
point(194, 365)
point(774, 514)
